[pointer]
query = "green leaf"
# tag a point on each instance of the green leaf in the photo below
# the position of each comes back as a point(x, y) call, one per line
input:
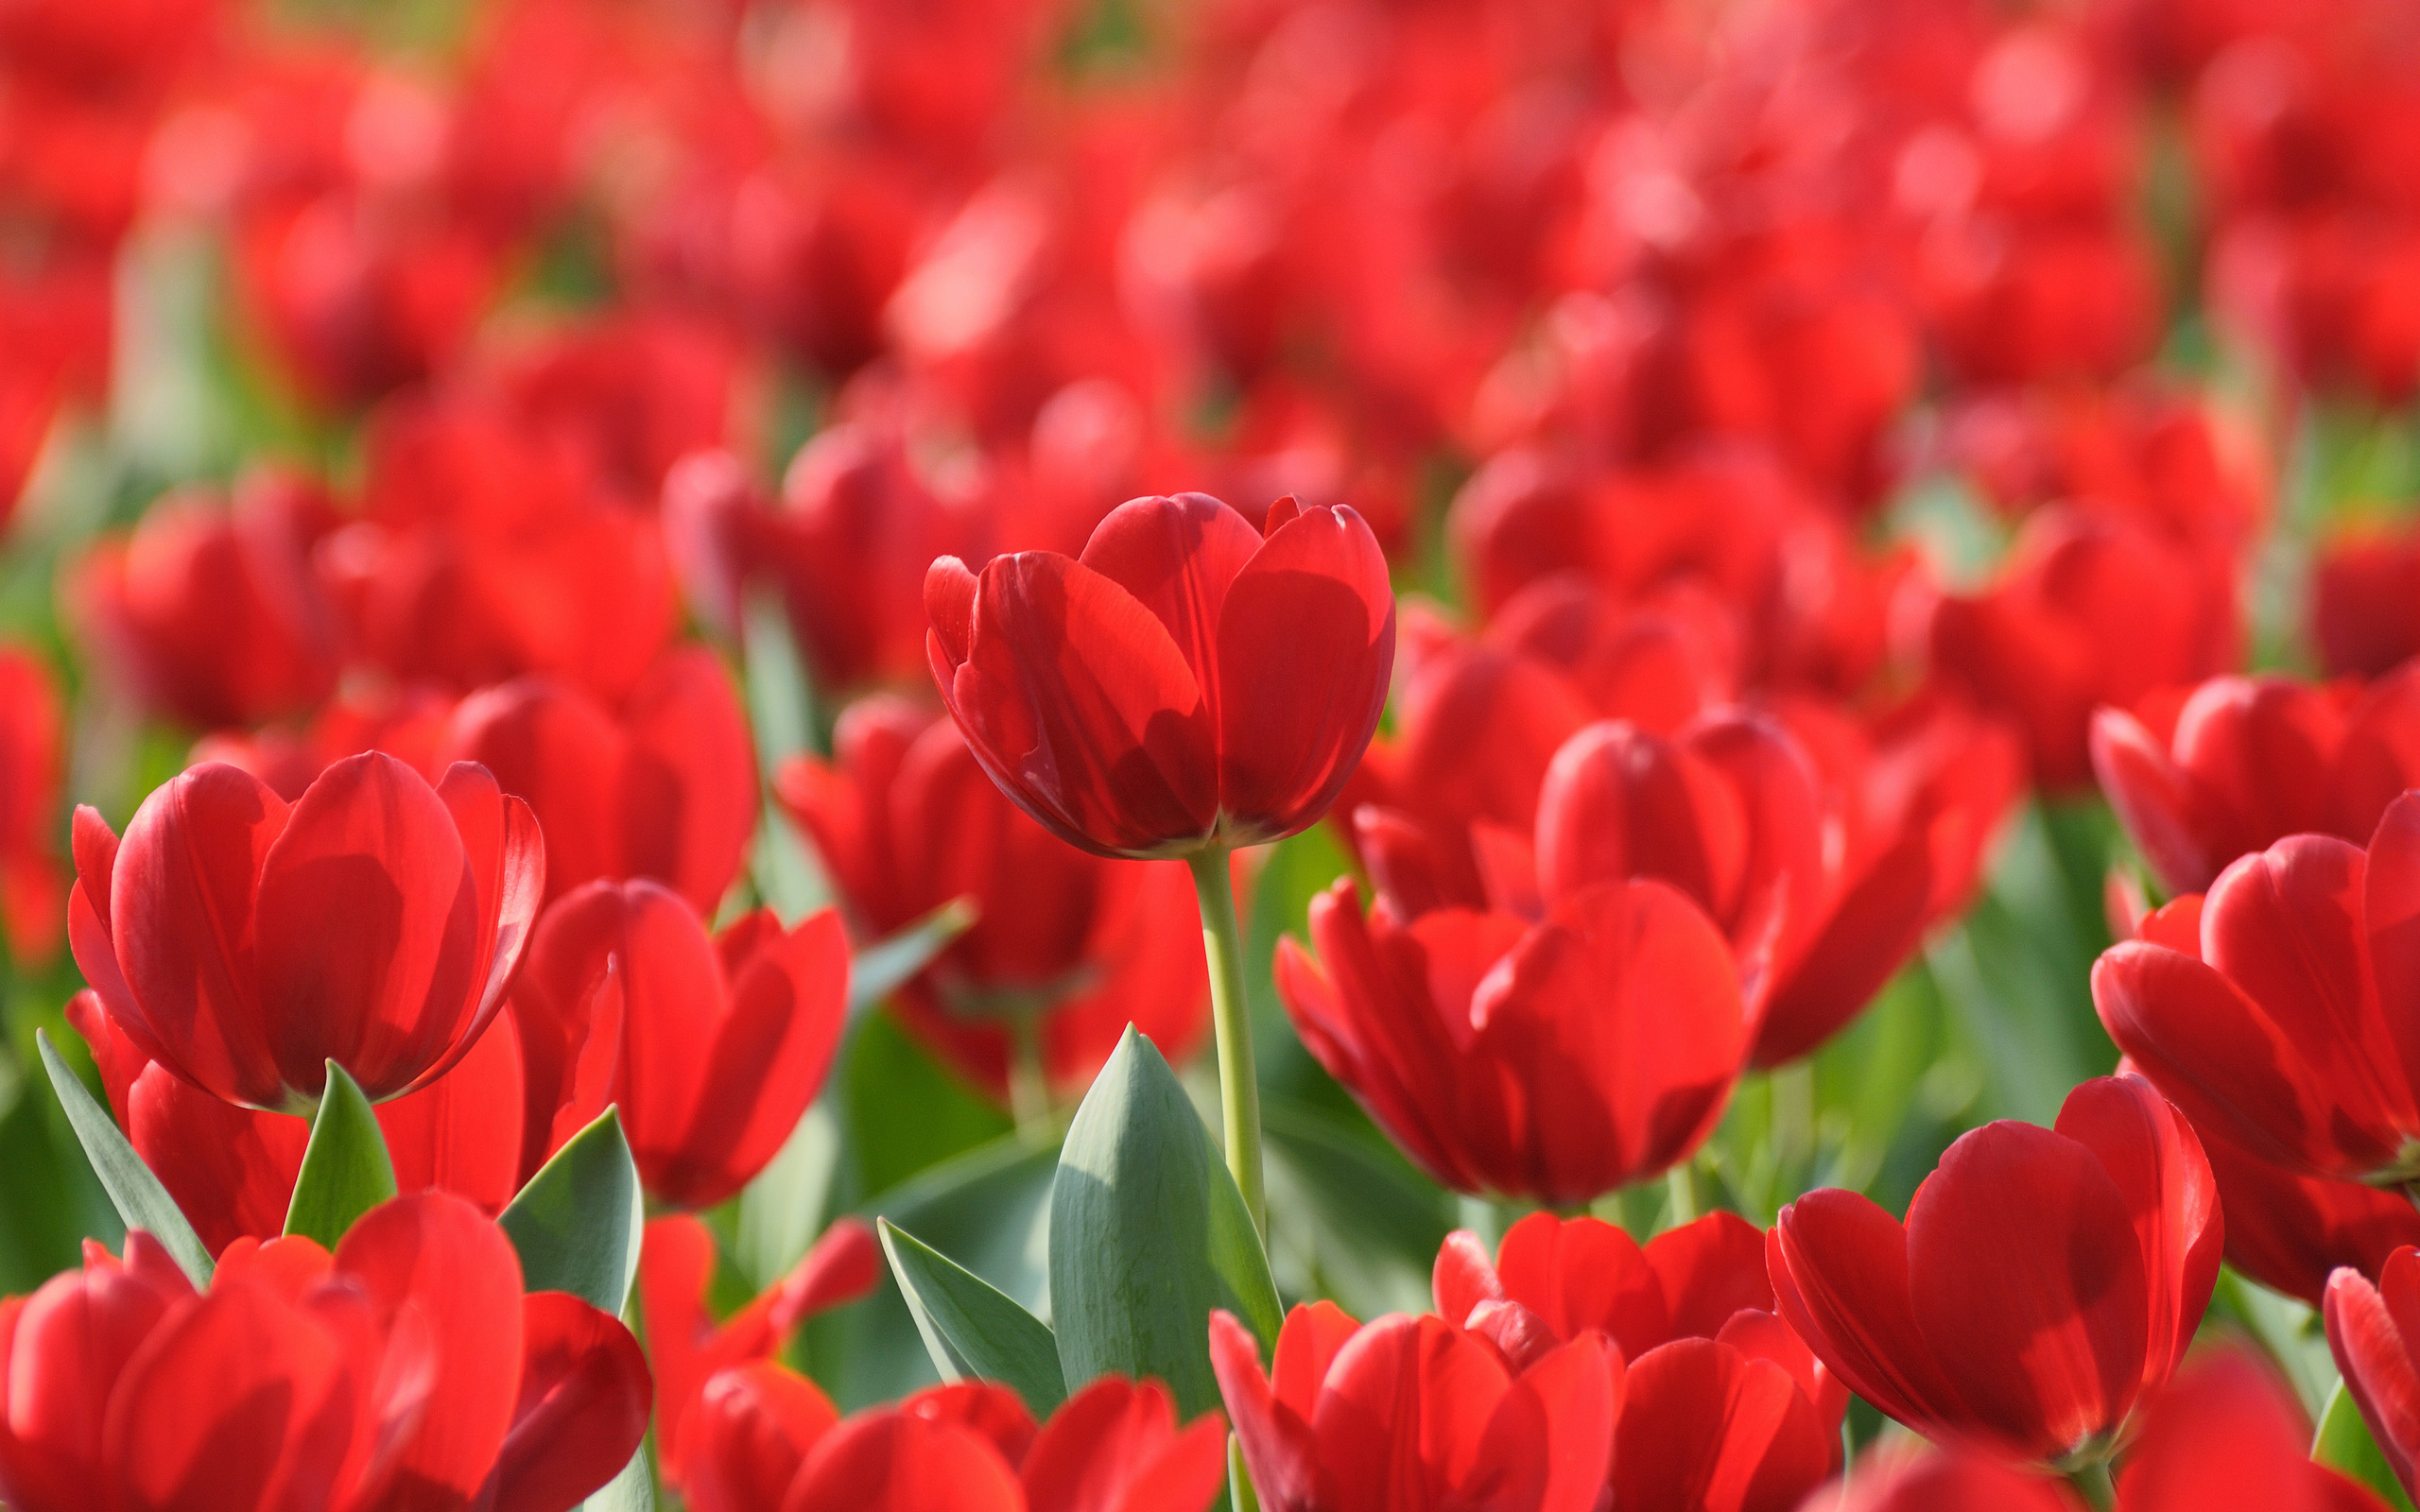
point(2345, 1444)
point(346, 1171)
point(1351, 1221)
point(970, 1328)
point(1149, 1235)
point(141, 1200)
point(1239, 1491)
point(878, 971)
point(631, 1490)
point(578, 1221)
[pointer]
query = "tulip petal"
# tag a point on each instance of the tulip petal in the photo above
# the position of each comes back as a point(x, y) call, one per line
point(743, 1443)
point(1839, 1265)
point(1704, 1428)
point(2373, 1332)
point(689, 800)
point(1178, 556)
point(895, 1462)
point(582, 1409)
point(1583, 1273)
point(1707, 1271)
point(2153, 801)
point(1405, 1417)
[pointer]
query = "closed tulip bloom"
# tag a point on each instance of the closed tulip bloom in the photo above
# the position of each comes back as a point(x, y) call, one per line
point(2037, 1341)
point(2226, 1436)
point(1417, 1413)
point(661, 784)
point(243, 942)
point(406, 1372)
point(2276, 1011)
point(2242, 762)
point(1188, 681)
point(711, 1046)
point(1724, 1408)
point(2373, 1332)
point(232, 1170)
point(1555, 1060)
point(765, 1441)
point(1075, 945)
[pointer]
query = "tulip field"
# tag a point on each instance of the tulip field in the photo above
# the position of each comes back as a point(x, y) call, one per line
point(1168, 755)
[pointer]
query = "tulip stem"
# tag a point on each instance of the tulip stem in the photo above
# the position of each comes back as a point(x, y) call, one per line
point(1682, 1182)
point(2093, 1483)
point(1029, 1081)
point(1238, 1083)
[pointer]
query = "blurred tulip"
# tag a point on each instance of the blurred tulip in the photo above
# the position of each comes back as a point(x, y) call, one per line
point(2086, 612)
point(1188, 682)
point(32, 750)
point(2365, 602)
point(712, 1046)
point(1066, 945)
point(846, 549)
point(1416, 1412)
point(210, 617)
point(662, 786)
point(1919, 1478)
point(2274, 1014)
point(1723, 1409)
point(244, 942)
point(688, 1348)
point(628, 394)
point(232, 1170)
point(2372, 1331)
point(2228, 1433)
point(1556, 1059)
point(1942, 1324)
point(406, 1371)
point(766, 1438)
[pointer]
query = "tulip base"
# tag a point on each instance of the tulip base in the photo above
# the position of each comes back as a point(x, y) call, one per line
point(2092, 1482)
point(1222, 945)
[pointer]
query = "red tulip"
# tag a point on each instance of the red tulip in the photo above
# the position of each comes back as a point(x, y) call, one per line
point(210, 616)
point(629, 393)
point(2014, 302)
point(846, 549)
point(2373, 1332)
point(2290, 1232)
point(243, 942)
point(1078, 944)
point(232, 1170)
point(2276, 1011)
point(1415, 1412)
point(2086, 612)
point(2038, 1341)
point(1558, 1060)
point(2365, 602)
point(410, 726)
point(1918, 1478)
point(1188, 682)
point(712, 1046)
point(32, 749)
point(2227, 1434)
point(406, 1371)
point(764, 1439)
point(689, 1349)
point(1723, 1407)
point(2326, 290)
point(661, 786)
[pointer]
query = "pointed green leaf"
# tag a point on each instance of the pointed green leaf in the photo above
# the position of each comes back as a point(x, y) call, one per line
point(970, 1328)
point(2345, 1444)
point(140, 1198)
point(1149, 1235)
point(578, 1221)
point(632, 1490)
point(878, 971)
point(1239, 1489)
point(346, 1171)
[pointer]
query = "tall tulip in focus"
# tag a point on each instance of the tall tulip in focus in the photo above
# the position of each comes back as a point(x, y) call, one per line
point(1187, 686)
point(244, 942)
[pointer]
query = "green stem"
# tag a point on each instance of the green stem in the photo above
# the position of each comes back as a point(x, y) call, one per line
point(1682, 1182)
point(2093, 1483)
point(1028, 1082)
point(1238, 1084)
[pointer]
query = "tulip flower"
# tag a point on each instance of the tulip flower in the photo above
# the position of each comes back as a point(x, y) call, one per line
point(630, 393)
point(1724, 1408)
point(663, 786)
point(243, 942)
point(407, 1370)
point(1557, 1059)
point(1415, 1412)
point(2365, 602)
point(2242, 762)
point(1904, 1478)
point(2272, 1011)
point(2228, 1433)
point(2087, 612)
point(1066, 947)
point(2038, 1341)
point(1188, 682)
point(846, 549)
point(232, 1170)
point(712, 1046)
point(763, 1438)
point(2290, 1232)
point(210, 616)
point(2373, 1332)
point(688, 1348)
point(32, 747)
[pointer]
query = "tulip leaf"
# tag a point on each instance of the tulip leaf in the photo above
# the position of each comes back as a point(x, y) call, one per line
point(1239, 1489)
point(139, 1199)
point(631, 1490)
point(578, 1224)
point(346, 1171)
point(1149, 1235)
point(2345, 1444)
point(969, 1327)
point(878, 971)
